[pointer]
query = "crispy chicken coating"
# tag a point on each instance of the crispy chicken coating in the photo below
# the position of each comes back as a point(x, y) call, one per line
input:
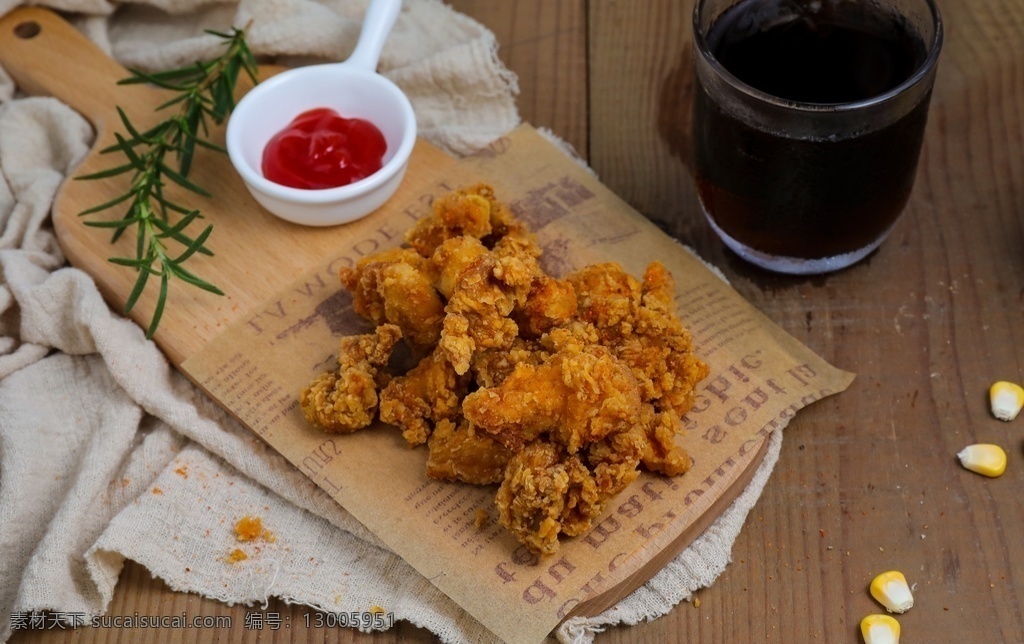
point(491, 366)
point(576, 397)
point(476, 317)
point(637, 321)
point(550, 303)
point(547, 492)
point(459, 452)
point(345, 399)
point(453, 257)
point(661, 454)
point(429, 393)
point(397, 286)
point(472, 212)
point(532, 496)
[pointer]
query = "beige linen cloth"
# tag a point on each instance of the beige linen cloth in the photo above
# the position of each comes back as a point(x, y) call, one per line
point(107, 453)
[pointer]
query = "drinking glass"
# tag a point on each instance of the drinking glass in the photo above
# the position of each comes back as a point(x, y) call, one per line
point(804, 163)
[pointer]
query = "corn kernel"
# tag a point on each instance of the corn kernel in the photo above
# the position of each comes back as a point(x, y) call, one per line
point(880, 629)
point(984, 458)
point(891, 590)
point(1006, 398)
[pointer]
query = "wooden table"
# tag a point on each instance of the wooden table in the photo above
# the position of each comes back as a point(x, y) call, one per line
point(868, 480)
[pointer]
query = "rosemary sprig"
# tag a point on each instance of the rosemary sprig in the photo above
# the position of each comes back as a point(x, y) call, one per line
point(202, 92)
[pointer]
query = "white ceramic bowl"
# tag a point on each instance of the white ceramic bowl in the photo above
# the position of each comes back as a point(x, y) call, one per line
point(354, 90)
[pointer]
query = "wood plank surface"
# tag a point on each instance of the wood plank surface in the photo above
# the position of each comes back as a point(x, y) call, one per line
point(544, 44)
point(867, 481)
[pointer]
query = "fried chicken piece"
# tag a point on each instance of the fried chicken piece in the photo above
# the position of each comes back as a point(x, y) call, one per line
point(637, 321)
point(577, 396)
point(429, 393)
point(547, 492)
point(673, 381)
point(458, 452)
point(532, 496)
point(608, 297)
point(345, 399)
point(485, 264)
point(476, 316)
point(513, 238)
point(453, 257)
point(397, 286)
point(472, 211)
point(661, 454)
point(614, 460)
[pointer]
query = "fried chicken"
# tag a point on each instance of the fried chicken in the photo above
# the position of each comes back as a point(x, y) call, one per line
point(661, 454)
point(459, 452)
point(549, 303)
point(345, 399)
point(453, 257)
point(476, 316)
point(429, 393)
point(471, 212)
point(576, 397)
point(561, 390)
point(547, 492)
point(491, 366)
point(637, 321)
point(397, 286)
point(532, 496)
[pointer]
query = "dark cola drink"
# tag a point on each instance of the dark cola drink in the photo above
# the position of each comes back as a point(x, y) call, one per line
point(809, 171)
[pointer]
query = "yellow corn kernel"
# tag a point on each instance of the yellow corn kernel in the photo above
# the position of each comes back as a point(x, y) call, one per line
point(880, 629)
point(1006, 398)
point(984, 458)
point(891, 590)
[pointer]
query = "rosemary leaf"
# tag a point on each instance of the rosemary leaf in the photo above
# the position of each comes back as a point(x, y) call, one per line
point(140, 285)
point(117, 223)
point(139, 76)
point(103, 174)
point(166, 230)
point(126, 148)
point(181, 180)
point(160, 303)
point(196, 244)
point(110, 204)
point(139, 262)
point(195, 281)
point(204, 89)
point(128, 126)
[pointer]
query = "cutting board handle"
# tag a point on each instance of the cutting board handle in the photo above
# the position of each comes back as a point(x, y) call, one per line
point(46, 56)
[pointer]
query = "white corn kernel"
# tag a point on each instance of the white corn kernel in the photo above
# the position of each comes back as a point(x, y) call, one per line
point(984, 458)
point(892, 591)
point(1006, 398)
point(880, 629)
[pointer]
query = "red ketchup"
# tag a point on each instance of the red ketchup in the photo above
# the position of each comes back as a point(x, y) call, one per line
point(321, 149)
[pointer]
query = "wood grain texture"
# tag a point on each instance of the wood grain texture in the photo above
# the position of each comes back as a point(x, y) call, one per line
point(544, 44)
point(868, 480)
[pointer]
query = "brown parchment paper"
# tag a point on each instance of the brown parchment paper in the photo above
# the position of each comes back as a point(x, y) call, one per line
point(760, 377)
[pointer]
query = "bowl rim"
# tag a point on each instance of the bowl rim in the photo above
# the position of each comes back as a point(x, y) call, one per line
point(255, 179)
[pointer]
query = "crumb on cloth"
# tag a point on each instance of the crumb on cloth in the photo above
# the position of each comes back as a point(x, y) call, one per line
point(249, 527)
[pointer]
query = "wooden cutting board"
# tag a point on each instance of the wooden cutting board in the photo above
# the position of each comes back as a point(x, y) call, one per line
point(255, 254)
